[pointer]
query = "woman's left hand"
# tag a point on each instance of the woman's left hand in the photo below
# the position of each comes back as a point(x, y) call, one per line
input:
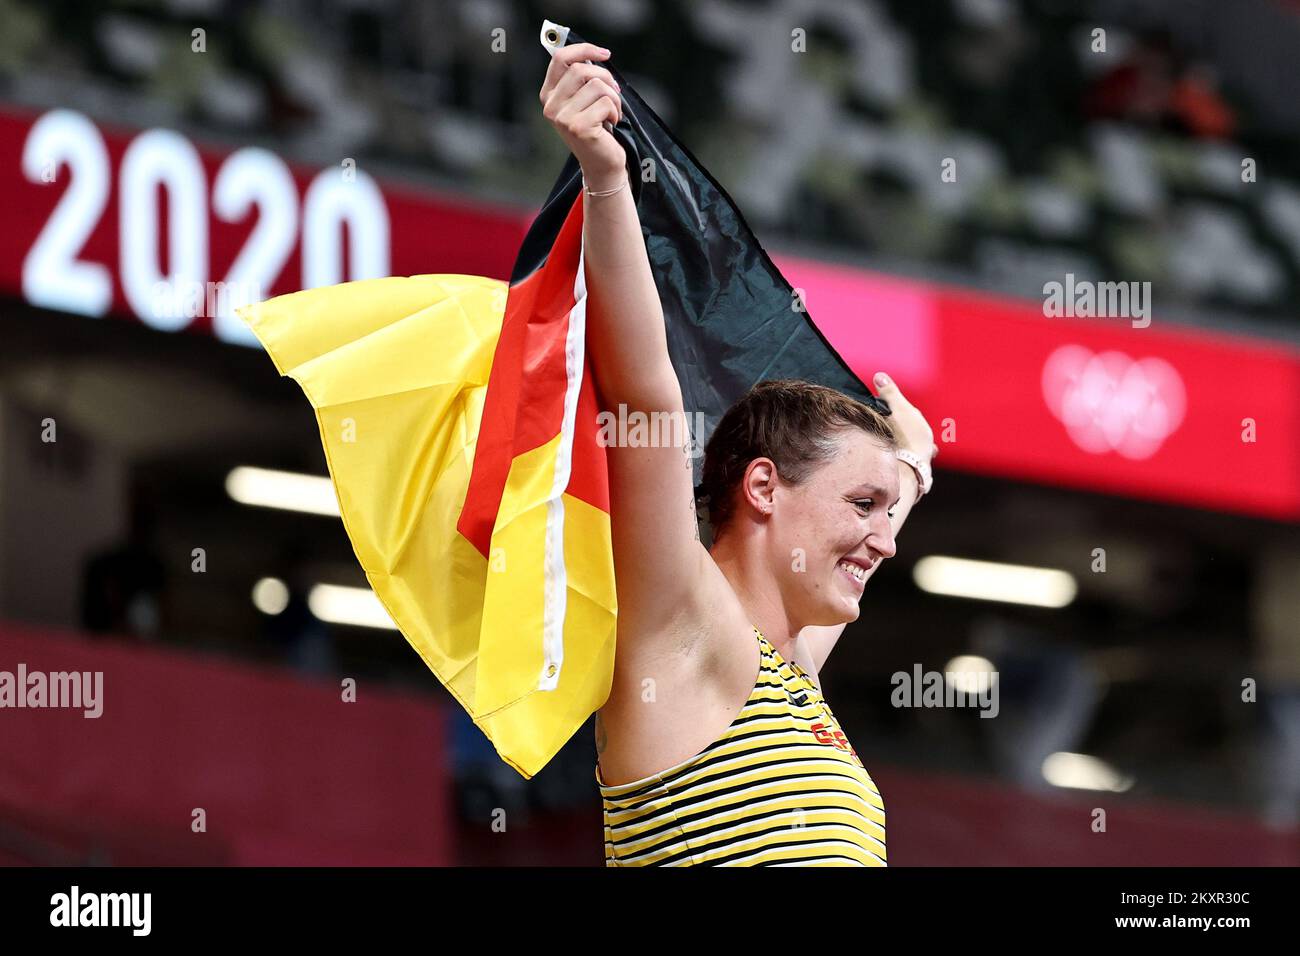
point(914, 433)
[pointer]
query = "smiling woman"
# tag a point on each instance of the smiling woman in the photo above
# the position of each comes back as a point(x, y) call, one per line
point(835, 459)
point(715, 744)
point(801, 483)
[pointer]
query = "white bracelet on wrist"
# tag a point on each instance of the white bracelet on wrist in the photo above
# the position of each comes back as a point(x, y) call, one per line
point(924, 476)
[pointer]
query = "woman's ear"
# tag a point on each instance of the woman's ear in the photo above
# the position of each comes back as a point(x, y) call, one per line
point(759, 485)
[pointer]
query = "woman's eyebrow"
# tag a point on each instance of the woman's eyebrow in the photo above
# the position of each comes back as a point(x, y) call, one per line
point(867, 491)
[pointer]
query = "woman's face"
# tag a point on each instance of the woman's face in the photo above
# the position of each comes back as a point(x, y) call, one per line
point(831, 529)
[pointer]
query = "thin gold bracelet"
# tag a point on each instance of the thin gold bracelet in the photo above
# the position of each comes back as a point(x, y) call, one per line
point(603, 192)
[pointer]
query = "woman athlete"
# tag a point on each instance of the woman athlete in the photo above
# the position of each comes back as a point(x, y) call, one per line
point(715, 746)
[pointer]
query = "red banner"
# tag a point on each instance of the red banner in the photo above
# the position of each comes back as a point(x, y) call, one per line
point(106, 222)
point(146, 224)
point(1161, 411)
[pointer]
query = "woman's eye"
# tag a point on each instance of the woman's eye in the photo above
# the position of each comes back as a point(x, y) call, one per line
point(863, 505)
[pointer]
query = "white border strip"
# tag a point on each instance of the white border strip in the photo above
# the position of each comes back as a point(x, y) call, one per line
point(555, 574)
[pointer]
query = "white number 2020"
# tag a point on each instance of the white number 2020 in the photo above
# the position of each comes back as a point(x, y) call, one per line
point(251, 178)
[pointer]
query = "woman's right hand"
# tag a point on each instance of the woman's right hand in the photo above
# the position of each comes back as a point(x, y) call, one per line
point(579, 98)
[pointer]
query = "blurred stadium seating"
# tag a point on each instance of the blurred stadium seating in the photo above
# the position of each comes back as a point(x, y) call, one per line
point(1124, 159)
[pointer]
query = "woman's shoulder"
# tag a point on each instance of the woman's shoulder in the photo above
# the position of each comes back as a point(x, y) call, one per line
point(701, 674)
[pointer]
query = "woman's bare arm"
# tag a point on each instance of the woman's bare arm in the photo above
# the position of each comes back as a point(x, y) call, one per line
point(658, 557)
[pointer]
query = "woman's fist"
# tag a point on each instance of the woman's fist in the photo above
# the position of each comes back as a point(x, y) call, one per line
point(578, 98)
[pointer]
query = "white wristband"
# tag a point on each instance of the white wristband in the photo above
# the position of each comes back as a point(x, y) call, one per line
point(924, 476)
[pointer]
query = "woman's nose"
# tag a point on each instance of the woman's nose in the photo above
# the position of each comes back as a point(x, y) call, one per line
point(882, 537)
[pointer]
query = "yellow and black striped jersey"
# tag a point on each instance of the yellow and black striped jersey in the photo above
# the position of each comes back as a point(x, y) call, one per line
point(782, 786)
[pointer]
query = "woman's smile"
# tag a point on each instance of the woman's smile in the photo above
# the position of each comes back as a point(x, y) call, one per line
point(855, 571)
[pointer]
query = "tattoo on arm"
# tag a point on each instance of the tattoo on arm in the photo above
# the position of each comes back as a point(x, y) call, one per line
point(601, 739)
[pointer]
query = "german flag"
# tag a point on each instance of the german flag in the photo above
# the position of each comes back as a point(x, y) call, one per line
point(459, 420)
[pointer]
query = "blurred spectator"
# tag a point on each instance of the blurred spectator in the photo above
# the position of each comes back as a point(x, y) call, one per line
point(1158, 87)
point(123, 587)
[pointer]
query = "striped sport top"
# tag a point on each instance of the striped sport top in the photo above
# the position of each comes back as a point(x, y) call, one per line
point(782, 786)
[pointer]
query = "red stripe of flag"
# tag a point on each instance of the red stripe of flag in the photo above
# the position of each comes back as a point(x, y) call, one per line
point(524, 404)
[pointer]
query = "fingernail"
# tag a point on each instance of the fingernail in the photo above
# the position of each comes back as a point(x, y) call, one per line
point(881, 380)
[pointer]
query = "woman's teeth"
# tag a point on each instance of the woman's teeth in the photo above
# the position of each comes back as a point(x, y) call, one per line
point(858, 572)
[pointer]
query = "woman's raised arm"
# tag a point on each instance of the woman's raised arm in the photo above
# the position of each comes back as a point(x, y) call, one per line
point(657, 554)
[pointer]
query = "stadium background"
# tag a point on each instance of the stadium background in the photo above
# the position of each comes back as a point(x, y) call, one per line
point(274, 145)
